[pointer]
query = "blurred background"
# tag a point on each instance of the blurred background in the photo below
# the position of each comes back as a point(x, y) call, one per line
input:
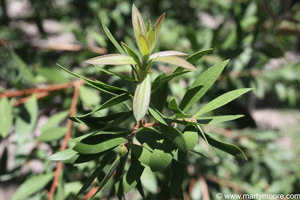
point(261, 38)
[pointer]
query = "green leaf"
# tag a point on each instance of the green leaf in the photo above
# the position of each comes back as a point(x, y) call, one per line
point(108, 175)
point(174, 107)
point(112, 39)
point(141, 98)
point(94, 175)
point(201, 85)
point(156, 28)
point(174, 135)
point(145, 46)
point(6, 117)
point(133, 174)
point(149, 182)
point(142, 154)
point(190, 135)
point(89, 96)
point(175, 61)
point(119, 120)
point(32, 185)
point(131, 53)
point(222, 100)
point(98, 84)
point(51, 134)
point(151, 38)
point(148, 137)
point(157, 115)
point(55, 120)
point(148, 26)
point(197, 56)
point(63, 155)
point(97, 122)
point(159, 159)
point(111, 102)
point(159, 97)
point(166, 54)
point(98, 143)
point(27, 119)
point(23, 68)
point(82, 158)
point(229, 148)
point(162, 79)
point(138, 25)
point(112, 59)
point(117, 74)
point(218, 119)
point(178, 175)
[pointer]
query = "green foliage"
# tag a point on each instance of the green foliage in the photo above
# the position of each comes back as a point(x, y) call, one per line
point(163, 143)
point(259, 37)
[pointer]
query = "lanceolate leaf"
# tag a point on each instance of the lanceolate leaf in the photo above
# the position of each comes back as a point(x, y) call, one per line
point(32, 185)
point(63, 155)
point(108, 175)
point(217, 119)
point(201, 85)
point(112, 39)
point(131, 53)
point(98, 84)
point(166, 54)
point(159, 160)
point(190, 135)
point(138, 25)
point(157, 27)
point(178, 175)
point(148, 137)
point(117, 74)
point(174, 107)
point(174, 135)
point(162, 79)
point(53, 133)
point(142, 154)
point(229, 148)
point(133, 174)
point(6, 117)
point(94, 175)
point(98, 143)
point(159, 97)
point(151, 38)
point(222, 100)
point(197, 56)
point(82, 158)
point(157, 116)
point(145, 46)
point(113, 101)
point(141, 98)
point(175, 61)
point(112, 59)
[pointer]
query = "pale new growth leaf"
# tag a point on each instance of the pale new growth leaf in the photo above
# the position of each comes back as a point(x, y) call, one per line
point(112, 59)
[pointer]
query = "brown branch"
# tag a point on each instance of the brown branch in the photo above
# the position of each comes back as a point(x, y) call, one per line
point(73, 47)
point(91, 193)
point(25, 99)
point(204, 188)
point(36, 90)
point(223, 182)
point(77, 85)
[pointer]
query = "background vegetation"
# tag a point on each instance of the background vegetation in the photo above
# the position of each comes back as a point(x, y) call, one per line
point(261, 38)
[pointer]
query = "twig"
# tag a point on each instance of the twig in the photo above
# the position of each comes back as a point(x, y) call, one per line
point(91, 193)
point(74, 47)
point(204, 188)
point(25, 99)
point(77, 85)
point(36, 90)
point(223, 182)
